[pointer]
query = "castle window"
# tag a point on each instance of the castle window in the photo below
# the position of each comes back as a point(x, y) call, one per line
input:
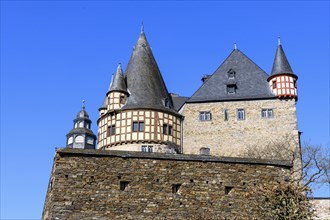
point(228, 189)
point(226, 116)
point(138, 126)
point(205, 116)
point(274, 84)
point(164, 128)
point(167, 129)
point(111, 130)
point(70, 140)
point(204, 151)
point(170, 128)
point(267, 113)
point(81, 124)
point(149, 149)
point(175, 188)
point(240, 114)
point(231, 74)
point(123, 185)
point(122, 99)
point(231, 89)
point(166, 102)
point(79, 139)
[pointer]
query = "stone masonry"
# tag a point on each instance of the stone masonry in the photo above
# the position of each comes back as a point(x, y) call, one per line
point(96, 184)
point(234, 137)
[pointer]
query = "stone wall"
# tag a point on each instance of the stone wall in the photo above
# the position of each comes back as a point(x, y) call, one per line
point(235, 137)
point(322, 207)
point(96, 184)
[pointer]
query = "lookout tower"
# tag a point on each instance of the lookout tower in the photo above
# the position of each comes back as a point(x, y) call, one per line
point(282, 81)
point(81, 136)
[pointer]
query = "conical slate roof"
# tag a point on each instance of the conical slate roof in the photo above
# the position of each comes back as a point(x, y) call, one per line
point(281, 64)
point(118, 84)
point(249, 80)
point(145, 83)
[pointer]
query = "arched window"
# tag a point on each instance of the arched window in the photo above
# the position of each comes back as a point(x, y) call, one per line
point(70, 140)
point(79, 139)
point(81, 124)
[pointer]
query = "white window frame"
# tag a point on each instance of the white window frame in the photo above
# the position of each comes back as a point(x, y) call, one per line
point(241, 114)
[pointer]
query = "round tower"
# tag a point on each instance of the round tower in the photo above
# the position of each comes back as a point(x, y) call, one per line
point(282, 81)
point(81, 136)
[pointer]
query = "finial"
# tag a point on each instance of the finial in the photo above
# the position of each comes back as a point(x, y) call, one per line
point(142, 28)
point(235, 46)
point(83, 104)
point(279, 40)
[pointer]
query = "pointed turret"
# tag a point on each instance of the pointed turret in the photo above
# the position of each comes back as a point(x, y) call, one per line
point(144, 80)
point(282, 79)
point(81, 136)
point(118, 83)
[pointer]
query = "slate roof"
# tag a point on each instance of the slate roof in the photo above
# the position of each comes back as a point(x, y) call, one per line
point(118, 84)
point(178, 102)
point(250, 81)
point(281, 64)
point(144, 81)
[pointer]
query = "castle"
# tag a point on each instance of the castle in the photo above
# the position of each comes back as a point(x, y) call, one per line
point(158, 151)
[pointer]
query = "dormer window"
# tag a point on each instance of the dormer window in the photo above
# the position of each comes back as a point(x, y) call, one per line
point(231, 74)
point(231, 89)
point(166, 102)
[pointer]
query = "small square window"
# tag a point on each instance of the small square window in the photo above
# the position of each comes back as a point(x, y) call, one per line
point(175, 188)
point(231, 89)
point(228, 189)
point(150, 149)
point(240, 114)
point(144, 148)
point(111, 130)
point(138, 126)
point(267, 113)
point(123, 185)
point(204, 151)
point(205, 116)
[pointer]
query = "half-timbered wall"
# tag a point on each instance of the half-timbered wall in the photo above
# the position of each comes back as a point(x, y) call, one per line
point(283, 86)
point(125, 138)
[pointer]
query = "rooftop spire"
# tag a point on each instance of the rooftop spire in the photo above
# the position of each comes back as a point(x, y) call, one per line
point(118, 82)
point(281, 64)
point(235, 46)
point(278, 40)
point(83, 104)
point(142, 28)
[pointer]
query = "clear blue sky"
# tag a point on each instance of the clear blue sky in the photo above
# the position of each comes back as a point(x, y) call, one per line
point(55, 54)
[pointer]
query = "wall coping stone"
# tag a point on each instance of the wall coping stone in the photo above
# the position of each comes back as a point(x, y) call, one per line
point(177, 157)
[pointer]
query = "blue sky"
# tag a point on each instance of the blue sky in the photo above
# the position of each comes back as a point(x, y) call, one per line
point(56, 53)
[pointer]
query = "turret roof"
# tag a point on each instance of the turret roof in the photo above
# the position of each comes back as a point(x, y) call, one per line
point(281, 64)
point(249, 80)
point(118, 82)
point(145, 83)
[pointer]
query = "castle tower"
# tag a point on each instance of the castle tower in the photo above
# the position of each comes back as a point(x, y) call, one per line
point(81, 136)
point(282, 80)
point(138, 113)
point(117, 94)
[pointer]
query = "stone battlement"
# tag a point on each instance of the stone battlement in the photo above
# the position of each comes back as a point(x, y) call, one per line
point(100, 184)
